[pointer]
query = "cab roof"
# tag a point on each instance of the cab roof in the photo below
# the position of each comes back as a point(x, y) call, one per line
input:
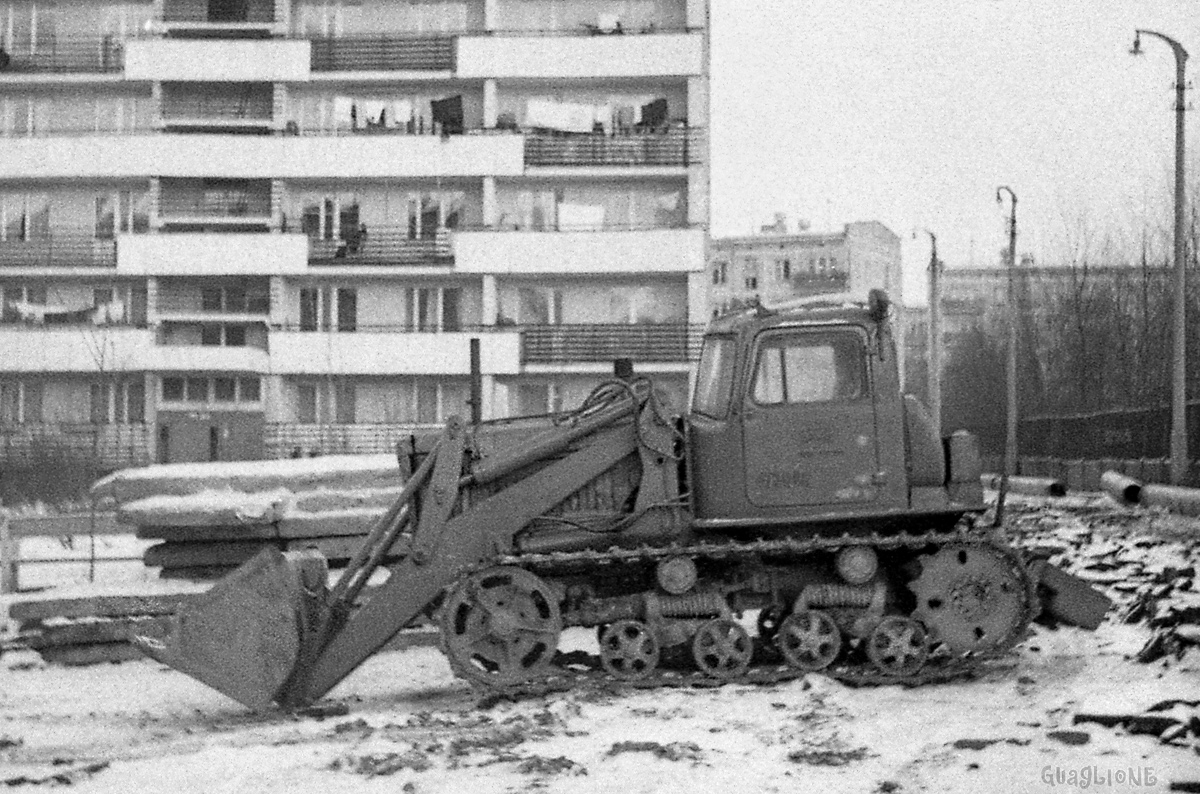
point(817, 309)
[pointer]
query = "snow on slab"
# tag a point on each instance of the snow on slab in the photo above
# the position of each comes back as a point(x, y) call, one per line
point(221, 506)
point(251, 475)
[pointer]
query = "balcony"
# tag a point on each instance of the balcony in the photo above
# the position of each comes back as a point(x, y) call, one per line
point(235, 203)
point(606, 250)
point(564, 54)
point(209, 61)
point(77, 348)
point(59, 250)
point(213, 109)
point(559, 344)
point(677, 146)
point(385, 53)
point(386, 246)
point(283, 439)
point(54, 443)
point(212, 254)
point(230, 303)
point(96, 55)
point(210, 17)
point(392, 350)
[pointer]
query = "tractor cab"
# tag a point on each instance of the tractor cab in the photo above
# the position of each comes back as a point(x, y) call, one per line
point(798, 417)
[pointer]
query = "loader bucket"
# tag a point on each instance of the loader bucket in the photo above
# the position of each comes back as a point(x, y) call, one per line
point(243, 636)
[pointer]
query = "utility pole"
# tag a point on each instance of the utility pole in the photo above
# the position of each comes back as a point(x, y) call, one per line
point(934, 337)
point(1179, 437)
point(1010, 429)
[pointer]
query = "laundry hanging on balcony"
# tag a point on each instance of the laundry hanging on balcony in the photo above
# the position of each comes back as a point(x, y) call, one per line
point(448, 114)
point(560, 116)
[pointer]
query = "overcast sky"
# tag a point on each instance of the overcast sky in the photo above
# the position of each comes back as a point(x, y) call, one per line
point(913, 112)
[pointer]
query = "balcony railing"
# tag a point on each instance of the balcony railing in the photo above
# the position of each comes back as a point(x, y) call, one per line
point(92, 54)
point(61, 443)
point(258, 303)
point(383, 53)
point(217, 109)
point(555, 344)
point(59, 250)
point(230, 205)
point(387, 245)
point(255, 12)
point(676, 146)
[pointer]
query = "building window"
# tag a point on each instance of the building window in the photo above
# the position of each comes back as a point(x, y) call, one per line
point(434, 308)
point(118, 402)
point(196, 390)
point(20, 402)
point(751, 282)
point(321, 402)
point(224, 390)
point(122, 211)
point(24, 216)
point(720, 273)
point(785, 270)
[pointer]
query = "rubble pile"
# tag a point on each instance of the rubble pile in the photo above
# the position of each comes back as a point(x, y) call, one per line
point(213, 517)
point(93, 629)
point(1146, 560)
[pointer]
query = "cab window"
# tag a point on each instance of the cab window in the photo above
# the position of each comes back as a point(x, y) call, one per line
point(810, 367)
point(714, 377)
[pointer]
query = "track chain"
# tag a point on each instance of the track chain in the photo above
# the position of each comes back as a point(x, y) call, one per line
point(579, 670)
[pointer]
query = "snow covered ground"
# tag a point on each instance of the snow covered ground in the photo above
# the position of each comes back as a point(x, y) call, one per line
point(413, 727)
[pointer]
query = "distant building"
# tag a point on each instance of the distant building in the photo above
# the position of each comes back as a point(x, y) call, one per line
point(774, 266)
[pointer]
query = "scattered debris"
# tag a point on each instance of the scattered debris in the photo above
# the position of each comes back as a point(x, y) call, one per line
point(1074, 738)
point(540, 765)
point(382, 764)
point(64, 777)
point(320, 711)
point(819, 756)
point(675, 751)
point(982, 744)
point(7, 742)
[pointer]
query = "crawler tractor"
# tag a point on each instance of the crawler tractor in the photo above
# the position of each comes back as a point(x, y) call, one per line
point(801, 488)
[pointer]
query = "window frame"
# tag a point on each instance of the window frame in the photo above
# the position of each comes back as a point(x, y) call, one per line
point(763, 341)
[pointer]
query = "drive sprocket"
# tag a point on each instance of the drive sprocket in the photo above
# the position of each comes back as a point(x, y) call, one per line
point(972, 598)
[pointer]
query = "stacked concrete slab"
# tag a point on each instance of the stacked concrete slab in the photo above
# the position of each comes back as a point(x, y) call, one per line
point(212, 517)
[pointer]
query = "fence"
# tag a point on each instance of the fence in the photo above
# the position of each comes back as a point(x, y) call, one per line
point(13, 529)
point(1123, 433)
point(105, 446)
point(289, 440)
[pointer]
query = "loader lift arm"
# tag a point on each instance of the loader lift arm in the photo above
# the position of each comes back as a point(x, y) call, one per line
point(272, 633)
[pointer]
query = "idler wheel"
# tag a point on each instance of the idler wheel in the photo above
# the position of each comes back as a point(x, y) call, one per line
point(809, 640)
point(628, 649)
point(722, 649)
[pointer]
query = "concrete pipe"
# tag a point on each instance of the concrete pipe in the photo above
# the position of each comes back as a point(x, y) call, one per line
point(1125, 490)
point(1030, 486)
point(1185, 501)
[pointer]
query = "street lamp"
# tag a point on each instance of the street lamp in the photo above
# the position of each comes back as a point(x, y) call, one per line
point(1179, 439)
point(1010, 430)
point(934, 337)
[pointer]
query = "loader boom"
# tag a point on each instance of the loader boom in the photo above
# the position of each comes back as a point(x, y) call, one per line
point(244, 617)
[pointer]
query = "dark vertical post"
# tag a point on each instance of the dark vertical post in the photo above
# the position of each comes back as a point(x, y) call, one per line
point(476, 383)
point(623, 368)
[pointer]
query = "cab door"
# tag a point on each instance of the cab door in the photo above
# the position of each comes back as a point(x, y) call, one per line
point(809, 420)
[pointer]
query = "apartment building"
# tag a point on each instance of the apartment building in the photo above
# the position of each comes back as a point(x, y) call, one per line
point(254, 228)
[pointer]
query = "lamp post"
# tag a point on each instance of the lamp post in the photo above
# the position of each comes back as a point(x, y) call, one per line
point(934, 336)
point(1179, 439)
point(1010, 427)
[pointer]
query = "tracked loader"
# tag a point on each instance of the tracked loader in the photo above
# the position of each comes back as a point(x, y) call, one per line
point(801, 488)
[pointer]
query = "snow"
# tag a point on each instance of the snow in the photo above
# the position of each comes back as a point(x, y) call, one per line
point(159, 731)
point(331, 465)
point(413, 727)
